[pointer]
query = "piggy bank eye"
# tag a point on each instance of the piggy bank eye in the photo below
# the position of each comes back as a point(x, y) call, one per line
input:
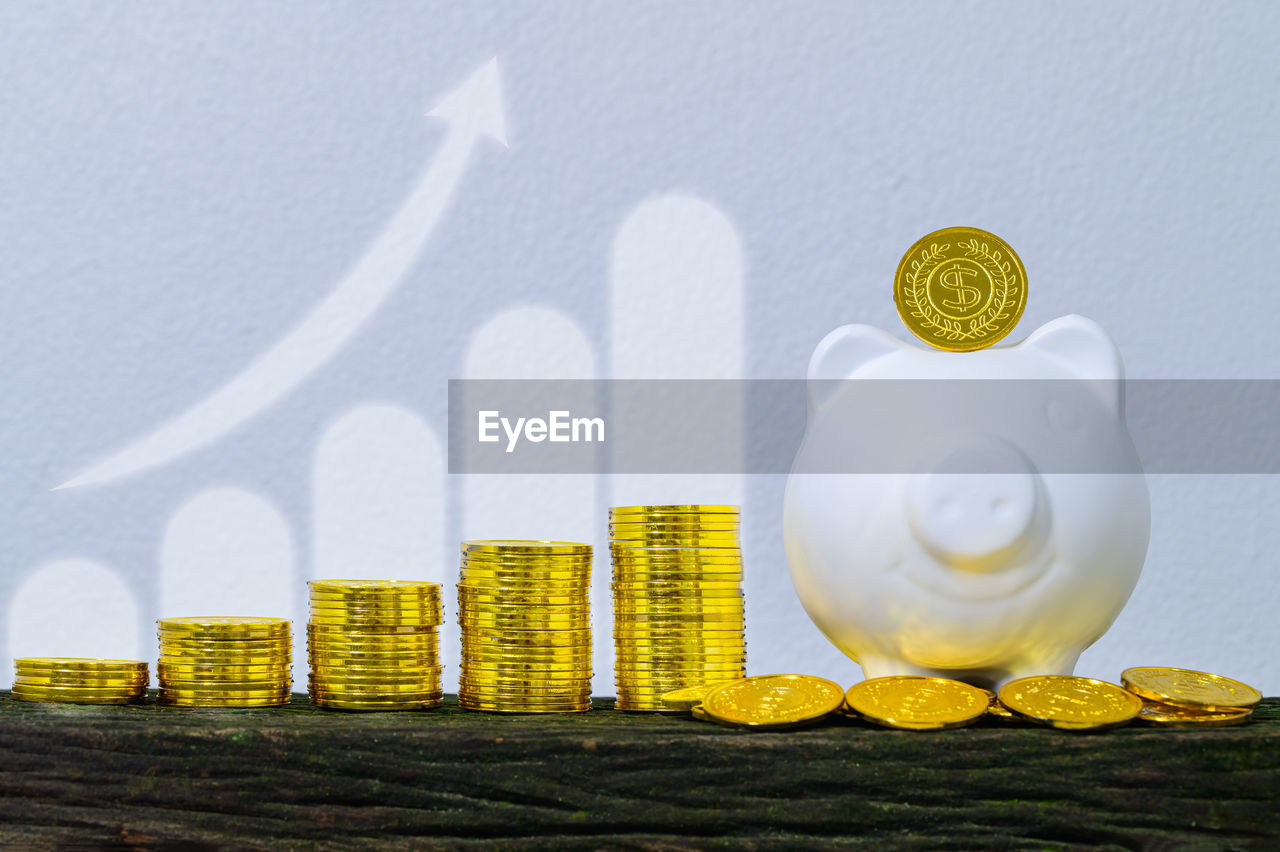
point(1063, 417)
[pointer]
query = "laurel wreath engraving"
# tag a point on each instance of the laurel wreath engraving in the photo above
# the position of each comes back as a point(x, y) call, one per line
point(1003, 277)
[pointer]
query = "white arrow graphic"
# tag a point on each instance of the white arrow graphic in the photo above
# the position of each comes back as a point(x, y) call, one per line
point(472, 110)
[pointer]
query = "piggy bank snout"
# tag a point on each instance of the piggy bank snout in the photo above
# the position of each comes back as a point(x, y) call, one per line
point(978, 507)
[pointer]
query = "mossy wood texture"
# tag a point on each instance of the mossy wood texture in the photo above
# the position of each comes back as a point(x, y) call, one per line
point(158, 778)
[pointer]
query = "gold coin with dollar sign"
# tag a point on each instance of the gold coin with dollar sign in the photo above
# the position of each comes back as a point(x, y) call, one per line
point(1189, 689)
point(917, 702)
point(772, 701)
point(1070, 703)
point(960, 289)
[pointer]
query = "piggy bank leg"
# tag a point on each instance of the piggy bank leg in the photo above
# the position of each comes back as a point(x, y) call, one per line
point(874, 666)
point(1061, 663)
point(992, 678)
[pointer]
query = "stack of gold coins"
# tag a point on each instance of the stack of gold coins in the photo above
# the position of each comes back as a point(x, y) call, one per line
point(228, 661)
point(677, 600)
point(374, 644)
point(526, 626)
point(75, 680)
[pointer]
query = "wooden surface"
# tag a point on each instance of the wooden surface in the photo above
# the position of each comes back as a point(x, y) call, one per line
point(298, 778)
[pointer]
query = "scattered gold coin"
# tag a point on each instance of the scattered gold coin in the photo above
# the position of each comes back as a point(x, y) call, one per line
point(1173, 716)
point(1192, 689)
point(998, 711)
point(1070, 703)
point(917, 703)
point(960, 289)
point(773, 701)
point(685, 699)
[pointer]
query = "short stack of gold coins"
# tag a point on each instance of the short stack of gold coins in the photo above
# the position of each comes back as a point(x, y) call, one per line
point(77, 680)
point(374, 644)
point(224, 661)
point(678, 613)
point(525, 613)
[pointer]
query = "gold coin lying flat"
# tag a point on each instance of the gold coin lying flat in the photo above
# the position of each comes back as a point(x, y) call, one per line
point(1070, 703)
point(71, 692)
point(167, 700)
point(628, 529)
point(1193, 689)
point(33, 665)
point(80, 698)
point(223, 628)
point(376, 706)
point(960, 289)
point(372, 588)
point(527, 547)
point(659, 690)
point(82, 680)
point(996, 710)
point(686, 698)
point(771, 701)
point(917, 703)
point(522, 703)
point(1172, 716)
point(674, 509)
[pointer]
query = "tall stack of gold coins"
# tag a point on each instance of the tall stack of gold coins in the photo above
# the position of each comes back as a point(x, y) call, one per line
point(75, 680)
point(526, 626)
point(677, 600)
point(374, 644)
point(229, 661)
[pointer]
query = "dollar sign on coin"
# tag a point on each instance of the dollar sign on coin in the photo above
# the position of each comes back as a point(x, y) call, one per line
point(960, 289)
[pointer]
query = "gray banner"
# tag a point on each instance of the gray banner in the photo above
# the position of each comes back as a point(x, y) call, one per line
point(864, 426)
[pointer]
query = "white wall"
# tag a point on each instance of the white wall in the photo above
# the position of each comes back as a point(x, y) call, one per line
point(181, 183)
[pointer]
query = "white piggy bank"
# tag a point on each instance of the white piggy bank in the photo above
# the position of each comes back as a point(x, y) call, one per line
point(977, 515)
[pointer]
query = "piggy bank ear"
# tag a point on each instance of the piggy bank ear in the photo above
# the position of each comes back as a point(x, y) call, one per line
point(1083, 347)
point(843, 352)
